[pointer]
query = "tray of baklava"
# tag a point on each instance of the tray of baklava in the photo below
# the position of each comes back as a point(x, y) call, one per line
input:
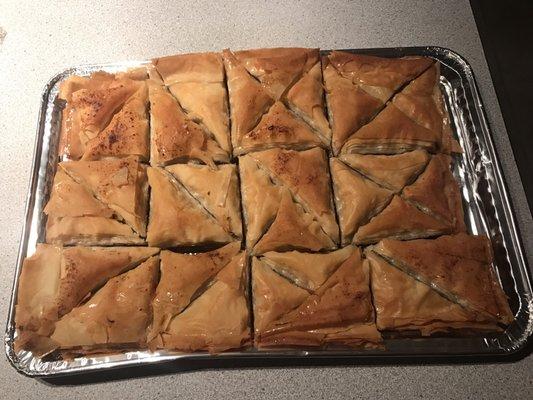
point(282, 203)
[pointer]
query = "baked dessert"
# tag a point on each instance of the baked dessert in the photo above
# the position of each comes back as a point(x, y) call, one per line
point(100, 202)
point(287, 201)
point(105, 116)
point(303, 299)
point(56, 279)
point(193, 205)
point(276, 99)
point(445, 284)
point(415, 118)
point(405, 196)
point(197, 82)
point(201, 301)
point(358, 86)
point(175, 136)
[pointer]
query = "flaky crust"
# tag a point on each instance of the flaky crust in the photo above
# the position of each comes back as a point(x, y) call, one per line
point(458, 267)
point(193, 67)
point(176, 218)
point(174, 136)
point(218, 319)
point(404, 304)
point(329, 314)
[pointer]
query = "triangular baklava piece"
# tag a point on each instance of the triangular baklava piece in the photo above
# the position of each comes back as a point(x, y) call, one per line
point(404, 304)
point(414, 119)
point(248, 98)
point(278, 128)
point(98, 203)
point(392, 172)
point(337, 309)
point(358, 86)
point(306, 99)
point(176, 217)
point(357, 199)
point(183, 278)
point(400, 220)
point(55, 280)
point(436, 192)
point(307, 202)
point(116, 316)
point(458, 267)
point(91, 104)
point(197, 82)
point(175, 137)
point(217, 318)
point(293, 228)
point(126, 134)
point(278, 68)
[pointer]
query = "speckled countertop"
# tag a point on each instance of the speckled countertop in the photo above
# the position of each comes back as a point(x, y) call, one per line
point(41, 40)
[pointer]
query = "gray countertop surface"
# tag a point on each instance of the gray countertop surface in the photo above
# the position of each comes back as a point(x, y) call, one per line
point(41, 40)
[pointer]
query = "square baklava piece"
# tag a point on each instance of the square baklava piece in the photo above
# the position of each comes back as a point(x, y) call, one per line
point(305, 299)
point(105, 115)
point(276, 99)
point(84, 299)
point(287, 202)
point(193, 205)
point(385, 105)
point(441, 285)
point(101, 202)
point(201, 301)
point(405, 196)
point(189, 110)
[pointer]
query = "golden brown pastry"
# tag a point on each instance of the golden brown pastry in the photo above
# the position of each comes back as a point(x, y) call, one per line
point(55, 279)
point(426, 200)
point(98, 202)
point(126, 134)
point(307, 202)
point(176, 217)
point(458, 267)
point(358, 86)
point(357, 199)
point(214, 316)
point(436, 192)
point(183, 278)
point(306, 99)
point(400, 220)
point(216, 190)
point(278, 68)
point(403, 303)
point(335, 310)
point(415, 118)
point(91, 103)
point(259, 82)
point(392, 172)
point(116, 316)
point(175, 137)
point(197, 82)
point(278, 128)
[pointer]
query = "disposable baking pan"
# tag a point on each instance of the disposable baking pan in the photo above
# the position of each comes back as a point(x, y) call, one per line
point(487, 206)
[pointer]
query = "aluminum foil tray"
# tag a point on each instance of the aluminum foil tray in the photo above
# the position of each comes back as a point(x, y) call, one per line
point(487, 210)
